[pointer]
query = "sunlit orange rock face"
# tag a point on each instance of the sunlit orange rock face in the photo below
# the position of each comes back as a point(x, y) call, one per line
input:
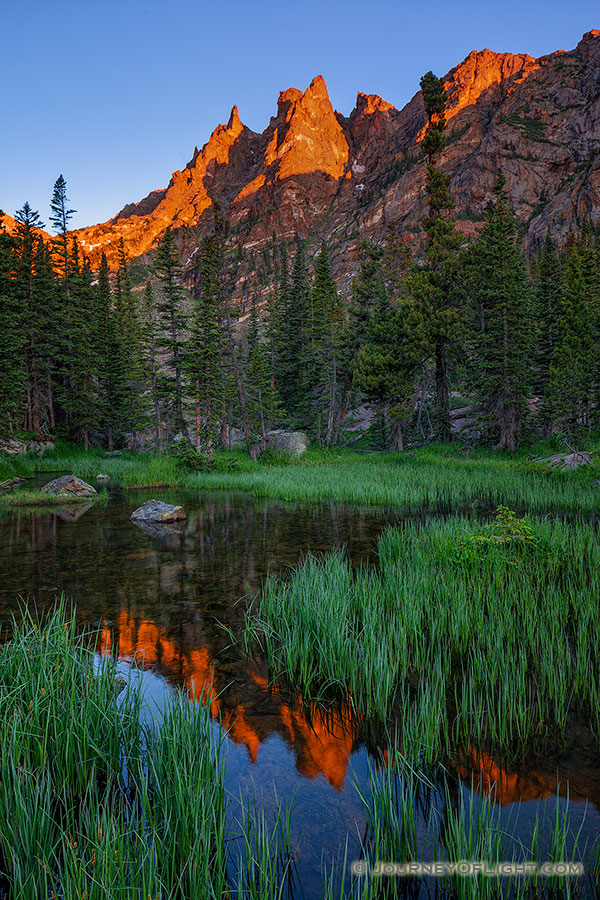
point(10, 226)
point(314, 172)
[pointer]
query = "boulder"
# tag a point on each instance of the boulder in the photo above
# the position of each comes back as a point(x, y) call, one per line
point(157, 511)
point(13, 446)
point(11, 484)
point(567, 460)
point(69, 486)
point(294, 442)
point(102, 477)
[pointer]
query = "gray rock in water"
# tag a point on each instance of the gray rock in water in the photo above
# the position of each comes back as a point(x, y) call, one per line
point(101, 477)
point(69, 486)
point(294, 442)
point(157, 511)
point(114, 453)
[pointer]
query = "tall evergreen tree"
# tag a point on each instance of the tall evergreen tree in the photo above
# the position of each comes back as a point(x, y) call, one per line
point(204, 352)
point(150, 338)
point(572, 370)
point(82, 400)
point(278, 324)
point(264, 406)
point(549, 291)
point(435, 283)
point(502, 348)
point(35, 294)
point(368, 296)
point(12, 349)
point(172, 323)
point(60, 217)
point(328, 316)
point(296, 356)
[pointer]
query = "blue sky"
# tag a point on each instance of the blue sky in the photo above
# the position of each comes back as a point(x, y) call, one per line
point(114, 95)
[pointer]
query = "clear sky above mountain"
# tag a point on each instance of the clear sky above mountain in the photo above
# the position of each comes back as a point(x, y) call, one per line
point(115, 95)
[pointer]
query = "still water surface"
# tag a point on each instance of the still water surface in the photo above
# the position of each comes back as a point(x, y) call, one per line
point(163, 599)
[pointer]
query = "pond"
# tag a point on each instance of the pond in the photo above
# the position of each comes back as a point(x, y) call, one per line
point(172, 601)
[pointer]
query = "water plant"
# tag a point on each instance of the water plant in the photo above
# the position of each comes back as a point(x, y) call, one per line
point(483, 634)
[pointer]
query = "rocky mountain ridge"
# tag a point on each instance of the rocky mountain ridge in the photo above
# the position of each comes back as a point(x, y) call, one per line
point(320, 175)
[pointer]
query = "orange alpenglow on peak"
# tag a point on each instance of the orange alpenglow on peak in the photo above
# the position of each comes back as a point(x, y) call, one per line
point(314, 171)
point(369, 104)
point(481, 70)
point(310, 139)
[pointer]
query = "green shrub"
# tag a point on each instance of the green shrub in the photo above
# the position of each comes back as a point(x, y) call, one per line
point(273, 457)
point(189, 460)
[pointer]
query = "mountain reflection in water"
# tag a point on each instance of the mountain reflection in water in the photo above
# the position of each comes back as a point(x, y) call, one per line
point(163, 599)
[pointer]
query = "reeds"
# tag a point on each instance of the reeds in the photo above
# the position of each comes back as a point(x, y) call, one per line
point(459, 636)
point(435, 477)
point(97, 802)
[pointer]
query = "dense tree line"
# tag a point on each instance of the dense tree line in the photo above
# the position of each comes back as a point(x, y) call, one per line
point(98, 359)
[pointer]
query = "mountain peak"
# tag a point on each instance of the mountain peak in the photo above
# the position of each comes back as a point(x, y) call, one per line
point(234, 123)
point(368, 104)
point(481, 70)
point(589, 45)
point(317, 88)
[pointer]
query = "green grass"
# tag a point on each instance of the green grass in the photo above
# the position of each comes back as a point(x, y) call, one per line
point(465, 634)
point(19, 498)
point(94, 801)
point(437, 476)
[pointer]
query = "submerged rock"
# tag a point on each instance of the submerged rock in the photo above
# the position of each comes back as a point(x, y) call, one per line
point(157, 511)
point(70, 486)
point(102, 477)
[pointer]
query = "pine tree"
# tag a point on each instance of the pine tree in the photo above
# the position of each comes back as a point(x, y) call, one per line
point(549, 297)
point(130, 337)
point(60, 218)
point(82, 400)
point(151, 356)
point(35, 294)
point(297, 369)
point(368, 296)
point(12, 350)
point(278, 324)
point(394, 346)
point(435, 283)
point(327, 325)
point(264, 406)
point(502, 349)
point(572, 369)
point(172, 322)
point(113, 362)
point(204, 351)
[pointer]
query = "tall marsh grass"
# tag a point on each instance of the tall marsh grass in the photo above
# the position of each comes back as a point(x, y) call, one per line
point(463, 634)
point(439, 476)
point(96, 802)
